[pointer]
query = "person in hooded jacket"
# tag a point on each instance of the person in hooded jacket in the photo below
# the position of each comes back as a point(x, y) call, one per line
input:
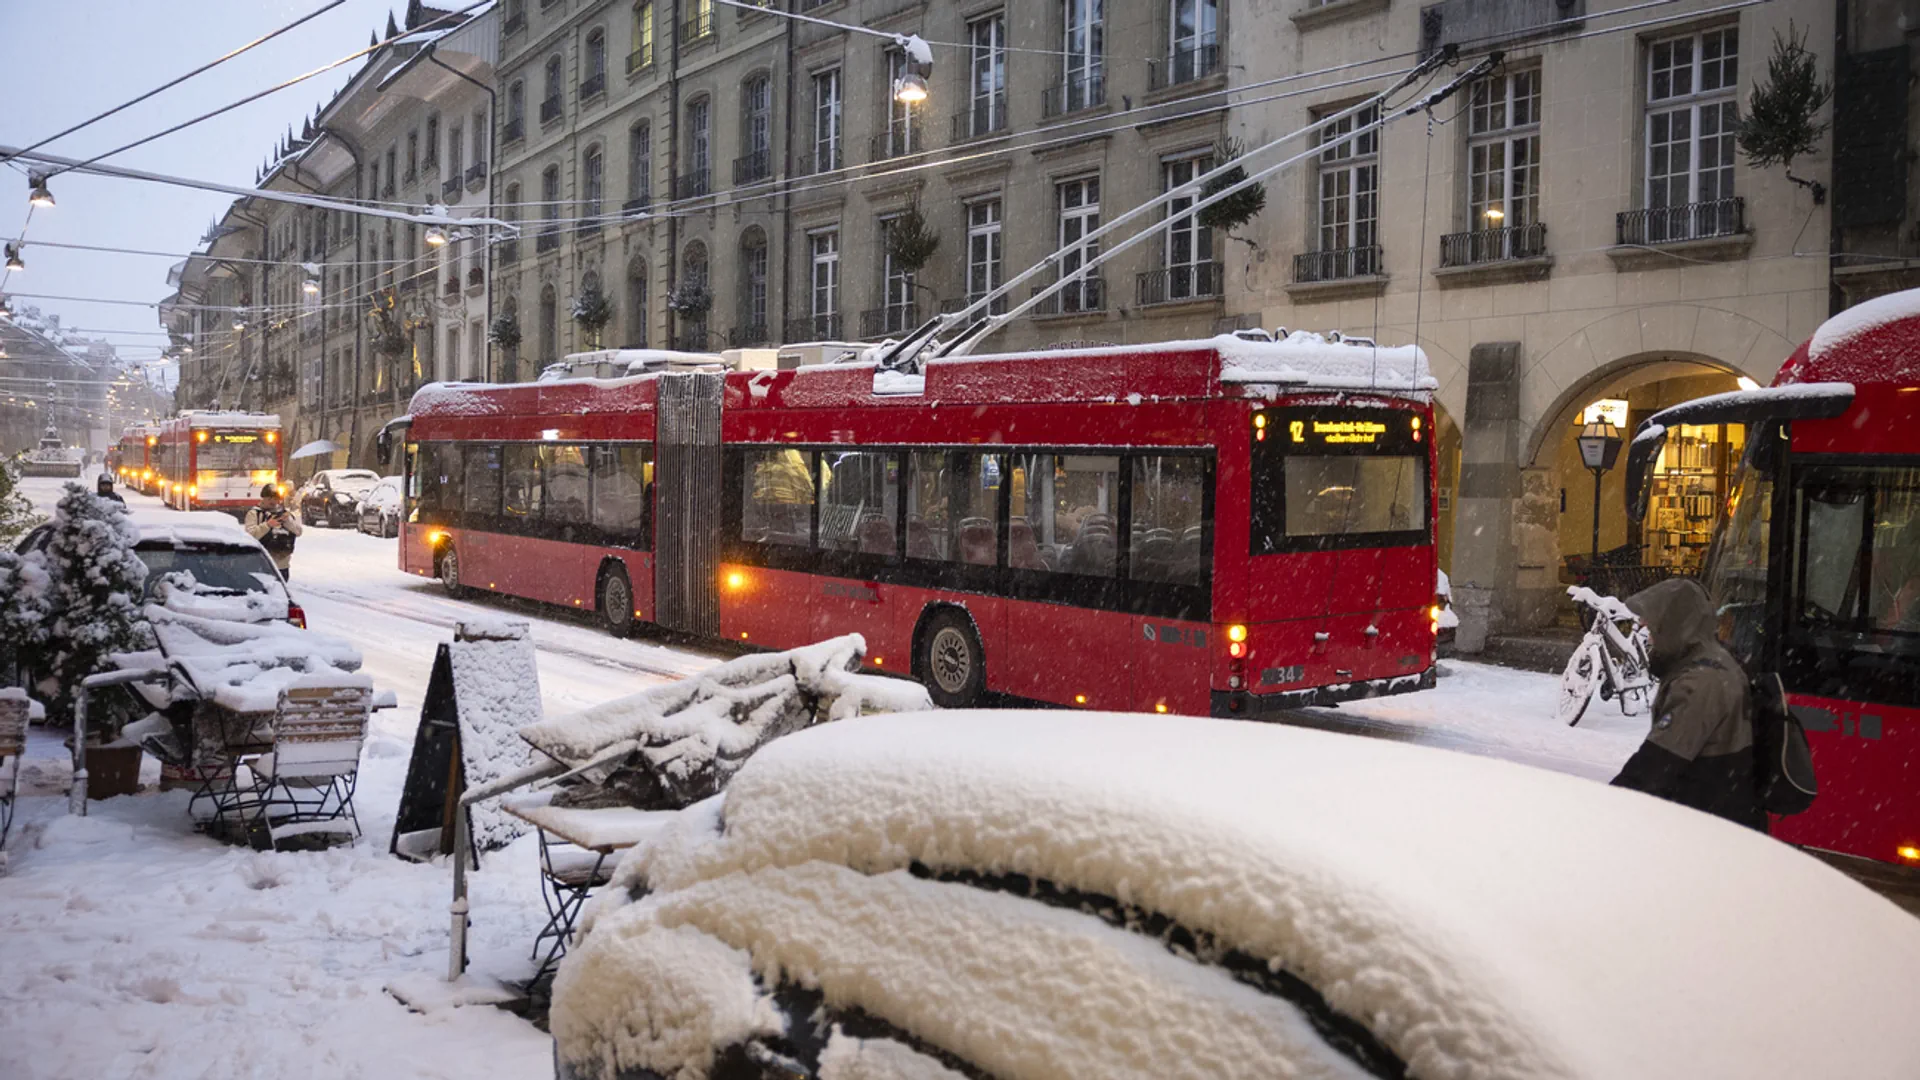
point(103, 487)
point(1700, 751)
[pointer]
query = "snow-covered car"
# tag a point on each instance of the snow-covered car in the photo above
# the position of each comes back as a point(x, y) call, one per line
point(380, 509)
point(1042, 894)
point(332, 496)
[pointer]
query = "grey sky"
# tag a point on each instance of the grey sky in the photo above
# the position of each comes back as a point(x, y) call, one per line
point(63, 62)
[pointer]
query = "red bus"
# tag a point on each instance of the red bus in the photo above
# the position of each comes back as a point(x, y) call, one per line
point(1225, 527)
point(1816, 566)
point(216, 460)
point(130, 457)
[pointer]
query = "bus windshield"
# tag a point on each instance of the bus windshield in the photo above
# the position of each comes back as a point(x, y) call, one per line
point(237, 451)
point(1337, 477)
point(1736, 567)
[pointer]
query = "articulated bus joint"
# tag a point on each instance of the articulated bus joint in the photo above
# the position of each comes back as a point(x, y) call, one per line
point(1239, 704)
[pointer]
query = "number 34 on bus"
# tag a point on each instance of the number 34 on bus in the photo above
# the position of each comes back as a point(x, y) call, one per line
point(1224, 527)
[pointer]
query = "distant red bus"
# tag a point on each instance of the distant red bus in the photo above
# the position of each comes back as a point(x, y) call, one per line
point(214, 460)
point(1816, 567)
point(1221, 527)
point(129, 457)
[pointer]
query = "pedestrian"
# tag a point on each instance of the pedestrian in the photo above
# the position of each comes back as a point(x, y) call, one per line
point(275, 527)
point(104, 488)
point(1699, 752)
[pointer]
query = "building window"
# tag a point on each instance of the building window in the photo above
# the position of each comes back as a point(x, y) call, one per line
point(989, 82)
point(1079, 204)
point(413, 155)
point(433, 143)
point(456, 148)
point(699, 20)
point(550, 105)
point(753, 288)
point(983, 251)
point(699, 147)
point(1503, 172)
point(516, 111)
point(451, 358)
point(824, 250)
point(393, 169)
point(1348, 207)
point(637, 305)
point(476, 352)
point(642, 53)
point(903, 117)
point(1692, 116)
point(1195, 47)
point(756, 130)
point(479, 130)
point(1190, 269)
point(595, 79)
point(510, 213)
point(1085, 47)
point(693, 275)
point(826, 120)
point(593, 175)
point(549, 209)
point(896, 314)
point(639, 165)
point(549, 326)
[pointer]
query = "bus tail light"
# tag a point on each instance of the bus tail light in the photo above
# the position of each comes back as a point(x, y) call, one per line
point(1909, 852)
point(296, 615)
point(200, 436)
point(193, 491)
point(1433, 619)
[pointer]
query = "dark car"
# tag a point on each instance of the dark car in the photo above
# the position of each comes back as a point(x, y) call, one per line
point(380, 509)
point(332, 497)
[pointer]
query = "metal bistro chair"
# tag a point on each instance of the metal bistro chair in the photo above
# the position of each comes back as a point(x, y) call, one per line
point(568, 875)
point(305, 784)
point(13, 747)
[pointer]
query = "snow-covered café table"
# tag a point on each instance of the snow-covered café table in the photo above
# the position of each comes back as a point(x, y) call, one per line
point(233, 663)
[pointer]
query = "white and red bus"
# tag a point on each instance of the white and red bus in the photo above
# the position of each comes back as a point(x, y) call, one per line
point(1223, 526)
point(216, 460)
point(1816, 565)
point(131, 456)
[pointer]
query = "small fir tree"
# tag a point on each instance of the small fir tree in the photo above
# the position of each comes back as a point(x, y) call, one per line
point(1237, 209)
point(1783, 115)
point(505, 331)
point(691, 299)
point(593, 311)
point(16, 513)
point(94, 594)
point(26, 618)
point(910, 242)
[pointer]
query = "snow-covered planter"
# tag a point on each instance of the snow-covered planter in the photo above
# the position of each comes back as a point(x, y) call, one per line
point(505, 331)
point(690, 299)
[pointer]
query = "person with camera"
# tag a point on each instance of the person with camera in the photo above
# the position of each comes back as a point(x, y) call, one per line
point(275, 526)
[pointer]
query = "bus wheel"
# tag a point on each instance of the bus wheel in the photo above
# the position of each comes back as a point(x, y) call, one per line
point(952, 664)
point(450, 573)
point(616, 602)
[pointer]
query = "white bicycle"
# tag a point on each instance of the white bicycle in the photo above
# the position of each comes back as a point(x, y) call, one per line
point(1610, 660)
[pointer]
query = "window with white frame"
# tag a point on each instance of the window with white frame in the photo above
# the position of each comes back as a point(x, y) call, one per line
point(988, 110)
point(753, 285)
point(756, 128)
point(640, 165)
point(1190, 269)
point(642, 53)
point(1503, 169)
point(1348, 202)
point(983, 251)
point(824, 251)
point(1194, 48)
point(699, 147)
point(476, 352)
point(903, 117)
point(896, 285)
point(826, 120)
point(1692, 117)
point(593, 182)
point(1079, 204)
point(1085, 47)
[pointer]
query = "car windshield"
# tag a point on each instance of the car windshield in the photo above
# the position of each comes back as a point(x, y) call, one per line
point(219, 566)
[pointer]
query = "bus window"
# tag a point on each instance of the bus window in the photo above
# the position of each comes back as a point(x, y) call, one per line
point(482, 486)
point(238, 451)
point(1860, 549)
point(521, 490)
point(953, 507)
point(1334, 478)
point(565, 469)
point(434, 477)
point(620, 506)
point(1169, 520)
point(1330, 496)
point(1064, 513)
point(859, 501)
point(777, 503)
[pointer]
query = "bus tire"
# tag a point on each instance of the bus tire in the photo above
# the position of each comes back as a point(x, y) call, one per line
point(952, 665)
point(448, 568)
point(616, 601)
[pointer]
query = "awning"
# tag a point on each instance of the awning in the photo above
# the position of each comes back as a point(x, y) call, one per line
point(316, 448)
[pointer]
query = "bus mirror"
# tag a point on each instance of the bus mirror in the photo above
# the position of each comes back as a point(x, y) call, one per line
point(1641, 454)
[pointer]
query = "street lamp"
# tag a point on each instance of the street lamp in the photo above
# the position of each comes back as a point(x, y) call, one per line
point(37, 193)
point(1599, 449)
point(910, 89)
point(14, 262)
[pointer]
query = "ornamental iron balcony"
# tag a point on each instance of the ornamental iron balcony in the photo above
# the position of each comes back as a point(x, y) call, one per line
point(896, 142)
point(450, 191)
point(476, 174)
point(1186, 63)
point(548, 240)
point(514, 131)
point(1181, 283)
point(508, 251)
point(753, 167)
point(1085, 296)
point(692, 185)
point(955, 306)
point(987, 115)
point(638, 59)
point(593, 84)
point(1687, 221)
point(1493, 245)
point(550, 109)
point(1082, 91)
point(515, 23)
point(751, 335)
point(633, 207)
point(815, 328)
point(697, 26)
point(825, 158)
point(889, 319)
point(1337, 264)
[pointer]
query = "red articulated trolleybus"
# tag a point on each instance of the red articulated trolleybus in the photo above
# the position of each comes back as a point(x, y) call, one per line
point(1816, 566)
point(1223, 527)
point(131, 456)
point(215, 460)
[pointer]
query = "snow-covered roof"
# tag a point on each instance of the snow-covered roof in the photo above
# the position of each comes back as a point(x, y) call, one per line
point(1749, 406)
point(1481, 918)
point(189, 527)
point(1863, 318)
point(1307, 359)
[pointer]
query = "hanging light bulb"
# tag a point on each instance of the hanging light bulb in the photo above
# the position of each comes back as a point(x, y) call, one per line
point(239, 319)
point(436, 236)
point(37, 193)
point(910, 89)
point(13, 259)
point(311, 287)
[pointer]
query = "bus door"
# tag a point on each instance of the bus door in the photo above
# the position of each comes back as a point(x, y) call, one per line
point(859, 534)
point(687, 503)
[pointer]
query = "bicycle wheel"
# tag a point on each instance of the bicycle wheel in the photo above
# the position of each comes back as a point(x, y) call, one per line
point(1577, 683)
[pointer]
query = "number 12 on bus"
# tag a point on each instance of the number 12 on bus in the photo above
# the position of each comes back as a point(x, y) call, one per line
point(1194, 527)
